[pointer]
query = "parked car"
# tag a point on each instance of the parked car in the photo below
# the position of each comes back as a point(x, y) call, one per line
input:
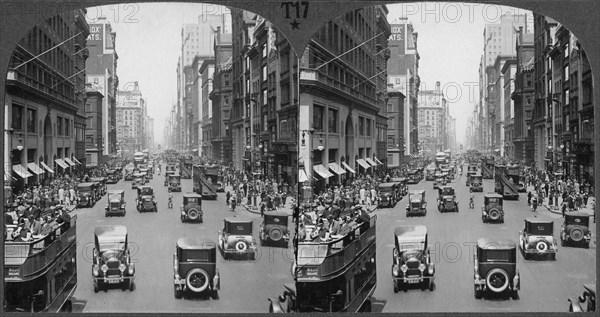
point(195, 268)
point(112, 176)
point(111, 259)
point(86, 194)
point(138, 180)
point(416, 203)
point(538, 238)
point(588, 298)
point(411, 260)
point(274, 229)
point(402, 187)
point(492, 210)
point(167, 174)
point(387, 195)
point(191, 209)
point(576, 230)
point(145, 199)
point(447, 199)
point(116, 203)
point(413, 177)
point(101, 185)
point(235, 240)
point(496, 268)
point(476, 183)
point(175, 182)
point(439, 181)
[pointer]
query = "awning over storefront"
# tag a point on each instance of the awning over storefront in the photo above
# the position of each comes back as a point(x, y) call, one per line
point(69, 161)
point(61, 163)
point(378, 161)
point(35, 168)
point(302, 176)
point(348, 168)
point(336, 168)
point(322, 171)
point(21, 171)
point(47, 167)
point(362, 163)
point(370, 161)
point(75, 160)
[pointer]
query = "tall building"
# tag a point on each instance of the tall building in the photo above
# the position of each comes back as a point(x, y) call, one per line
point(452, 145)
point(150, 134)
point(498, 102)
point(403, 76)
point(222, 97)
point(45, 93)
point(344, 97)
point(432, 116)
point(395, 128)
point(101, 75)
point(130, 118)
point(206, 72)
point(523, 96)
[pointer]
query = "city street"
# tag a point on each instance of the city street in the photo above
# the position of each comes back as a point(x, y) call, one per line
point(245, 285)
point(545, 284)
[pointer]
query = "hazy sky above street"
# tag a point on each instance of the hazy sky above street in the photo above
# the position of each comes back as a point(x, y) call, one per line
point(450, 44)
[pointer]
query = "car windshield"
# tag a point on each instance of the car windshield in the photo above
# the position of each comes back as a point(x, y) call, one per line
point(147, 191)
point(192, 200)
point(447, 191)
point(494, 200)
point(495, 255)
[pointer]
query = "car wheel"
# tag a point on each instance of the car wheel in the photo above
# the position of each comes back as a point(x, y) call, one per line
point(131, 285)
point(215, 295)
point(193, 214)
point(494, 214)
point(177, 292)
point(553, 256)
point(514, 295)
point(576, 234)
point(497, 280)
point(197, 280)
point(395, 287)
point(432, 286)
point(241, 245)
point(562, 242)
point(125, 285)
point(275, 234)
point(96, 287)
point(477, 293)
point(424, 285)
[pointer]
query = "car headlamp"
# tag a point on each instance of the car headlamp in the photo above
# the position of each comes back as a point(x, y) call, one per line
point(421, 267)
point(131, 269)
point(104, 268)
point(404, 268)
point(122, 267)
point(95, 270)
point(395, 271)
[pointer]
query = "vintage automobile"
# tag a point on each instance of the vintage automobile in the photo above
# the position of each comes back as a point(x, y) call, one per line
point(430, 173)
point(235, 240)
point(447, 199)
point(588, 298)
point(150, 170)
point(145, 199)
point(416, 203)
point(388, 195)
point(471, 170)
point(576, 229)
point(128, 176)
point(411, 260)
point(495, 268)
point(402, 187)
point(167, 174)
point(138, 180)
point(171, 167)
point(116, 203)
point(274, 229)
point(476, 183)
point(220, 184)
point(175, 182)
point(537, 238)
point(87, 194)
point(195, 268)
point(448, 174)
point(111, 259)
point(288, 298)
point(112, 176)
point(492, 208)
point(413, 176)
point(146, 173)
point(101, 185)
point(191, 210)
point(440, 180)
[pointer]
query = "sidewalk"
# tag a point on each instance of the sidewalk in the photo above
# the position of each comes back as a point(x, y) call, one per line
point(557, 210)
point(286, 208)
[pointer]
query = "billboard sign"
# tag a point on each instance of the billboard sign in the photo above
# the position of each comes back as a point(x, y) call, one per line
point(397, 37)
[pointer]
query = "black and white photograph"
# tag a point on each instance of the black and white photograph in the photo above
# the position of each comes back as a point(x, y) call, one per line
point(300, 157)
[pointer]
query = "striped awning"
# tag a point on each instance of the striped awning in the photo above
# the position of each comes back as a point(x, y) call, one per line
point(69, 161)
point(35, 168)
point(322, 171)
point(302, 176)
point(336, 168)
point(377, 160)
point(348, 168)
point(363, 163)
point(370, 161)
point(21, 171)
point(76, 160)
point(61, 163)
point(47, 167)
point(414, 156)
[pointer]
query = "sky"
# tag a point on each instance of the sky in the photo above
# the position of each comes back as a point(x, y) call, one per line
point(450, 44)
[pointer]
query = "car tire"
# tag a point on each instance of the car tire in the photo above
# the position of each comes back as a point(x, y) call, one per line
point(197, 280)
point(494, 214)
point(275, 234)
point(477, 293)
point(514, 295)
point(542, 246)
point(576, 234)
point(193, 214)
point(497, 280)
point(553, 257)
point(131, 285)
point(96, 287)
point(562, 242)
point(432, 286)
point(395, 287)
point(424, 285)
point(215, 294)
point(177, 293)
point(241, 245)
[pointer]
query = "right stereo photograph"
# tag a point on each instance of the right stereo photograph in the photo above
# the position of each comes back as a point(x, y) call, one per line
point(445, 156)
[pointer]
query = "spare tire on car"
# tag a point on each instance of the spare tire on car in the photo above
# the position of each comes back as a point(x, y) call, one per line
point(193, 214)
point(497, 280)
point(494, 214)
point(197, 280)
point(576, 234)
point(275, 234)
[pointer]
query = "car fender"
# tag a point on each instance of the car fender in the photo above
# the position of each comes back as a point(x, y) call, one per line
point(275, 306)
point(575, 306)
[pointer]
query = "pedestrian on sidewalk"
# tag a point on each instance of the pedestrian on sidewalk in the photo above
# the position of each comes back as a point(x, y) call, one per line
point(529, 195)
point(585, 199)
point(227, 197)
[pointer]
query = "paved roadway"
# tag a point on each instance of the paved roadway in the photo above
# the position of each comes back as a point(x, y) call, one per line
point(545, 285)
point(245, 285)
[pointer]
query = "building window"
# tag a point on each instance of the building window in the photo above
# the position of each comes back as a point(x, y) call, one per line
point(59, 127)
point(31, 120)
point(566, 73)
point(368, 128)
point(318, 112)
point(361, 126)
point(17, 117)
point(264, 73)
point(332, 119)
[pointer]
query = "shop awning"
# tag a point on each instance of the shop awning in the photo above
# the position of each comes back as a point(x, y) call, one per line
point(76, 160)
point(378, 161)
point(302, 176)
point(69, 161)
point(370, 161)
point(363, 163)
point(47, 167)
point(61, 163)
point(348, 168)
point(21, 171)
point(322, 171)
point(336, 168)
point(35, 168)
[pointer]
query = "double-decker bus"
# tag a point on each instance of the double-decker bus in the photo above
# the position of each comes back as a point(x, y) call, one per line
point(138, 158)
point(338, 275)
point(41, 275)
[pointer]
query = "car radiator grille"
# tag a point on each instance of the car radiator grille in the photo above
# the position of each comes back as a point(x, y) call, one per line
point(413, 264)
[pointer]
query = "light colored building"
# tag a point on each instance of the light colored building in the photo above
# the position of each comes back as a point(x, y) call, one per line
point(206, 72)
point(432, 116)
point(130, 111)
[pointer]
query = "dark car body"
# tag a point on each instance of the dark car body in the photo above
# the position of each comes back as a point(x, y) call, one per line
point(145, 199)
point(575, 230)
point(138, 180)
point(195, 267)
point(191, 209)
point(538, 238)
point(447, 199)
point(439, 181)
point(87, 194)
point(402, 187)
point(416, 203)
point(111, 259)
point(116, 203)
point(588, 298)
point(274, 229)
point(476, 183)
point(413, 176)
point(496, 268)
point(112, 176)
point(175, 182)
point(492, 210)
point(167, 174)
point(101, 185)
point(235, 240)
point(411, 260)
point(388, 194)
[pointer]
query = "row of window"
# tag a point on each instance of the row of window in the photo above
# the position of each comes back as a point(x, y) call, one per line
point(63, 125)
